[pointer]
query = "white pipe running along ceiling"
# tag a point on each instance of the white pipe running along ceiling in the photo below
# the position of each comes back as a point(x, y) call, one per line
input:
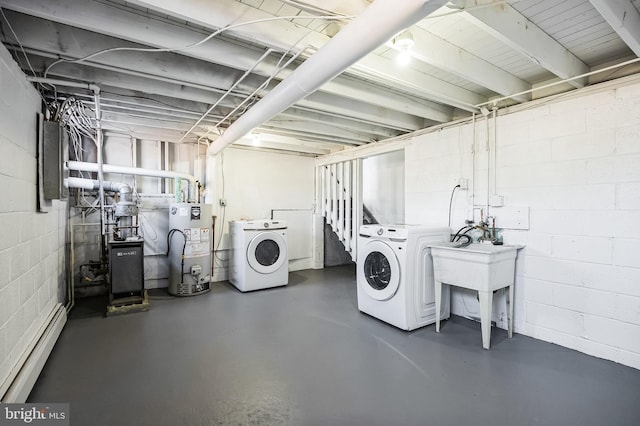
point(375, 26)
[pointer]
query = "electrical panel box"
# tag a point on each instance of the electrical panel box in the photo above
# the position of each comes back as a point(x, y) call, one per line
point(126, 269)
point(55, 152)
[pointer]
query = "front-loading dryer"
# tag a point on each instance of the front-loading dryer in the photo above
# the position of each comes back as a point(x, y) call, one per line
point(395, 274)
point(259, 254)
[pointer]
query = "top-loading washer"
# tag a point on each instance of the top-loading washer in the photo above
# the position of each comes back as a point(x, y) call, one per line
point(259, 254)
point(395, 274)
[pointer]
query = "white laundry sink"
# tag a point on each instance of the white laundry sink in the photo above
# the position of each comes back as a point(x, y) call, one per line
point(483, 267)
point(480, 267)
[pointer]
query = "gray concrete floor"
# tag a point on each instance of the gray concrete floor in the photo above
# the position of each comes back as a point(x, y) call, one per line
point(304, 355)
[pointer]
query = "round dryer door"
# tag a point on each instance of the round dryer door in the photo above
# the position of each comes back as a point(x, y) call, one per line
point(266, 252)
point(378, 271)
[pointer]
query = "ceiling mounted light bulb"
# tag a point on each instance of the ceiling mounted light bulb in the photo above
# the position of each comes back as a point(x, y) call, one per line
point(403, 43)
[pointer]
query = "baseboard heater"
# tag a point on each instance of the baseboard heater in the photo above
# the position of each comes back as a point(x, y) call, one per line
point(18, 386)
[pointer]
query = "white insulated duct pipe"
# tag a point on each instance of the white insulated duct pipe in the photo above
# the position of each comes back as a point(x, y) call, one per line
point(375, 26)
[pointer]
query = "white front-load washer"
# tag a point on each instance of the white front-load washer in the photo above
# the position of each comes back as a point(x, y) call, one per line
point(395, 274)
point(259, 256)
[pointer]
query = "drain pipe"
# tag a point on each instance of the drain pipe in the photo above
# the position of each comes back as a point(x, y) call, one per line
point(92, 185)
point(107, 168)
point(375, 26)
point(99, 157)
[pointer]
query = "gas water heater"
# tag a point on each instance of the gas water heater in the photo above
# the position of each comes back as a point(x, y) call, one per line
point(189, 242)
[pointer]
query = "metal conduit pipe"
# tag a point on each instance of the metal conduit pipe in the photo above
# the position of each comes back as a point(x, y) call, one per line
point(93, 87)
point(375, 26)
point(221, 98)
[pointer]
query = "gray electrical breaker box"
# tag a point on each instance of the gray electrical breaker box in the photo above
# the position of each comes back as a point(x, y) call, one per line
point(55, 152)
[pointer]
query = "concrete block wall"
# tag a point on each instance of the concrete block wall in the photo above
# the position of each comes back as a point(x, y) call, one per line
point(575, 162)
point(32, 245)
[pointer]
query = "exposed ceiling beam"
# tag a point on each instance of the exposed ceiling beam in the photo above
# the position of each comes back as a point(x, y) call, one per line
point(512, 28)
point(153, 32)
point(283, 146)
point(62, 40)
point(113, 20)
point(150, 102)
point(384, 71)
point(342, 123)
point(264, 135)
point(361, 110)
point(58, 39)
point(353, 88)
point(305, 136)
point(326, 129)
point(174, 93)
point(440, 53)
point(131, 121)
point(147, 110)
point(623, 18)
point(284, 34)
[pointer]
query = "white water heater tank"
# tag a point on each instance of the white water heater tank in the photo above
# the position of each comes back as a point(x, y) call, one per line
point(190, 242)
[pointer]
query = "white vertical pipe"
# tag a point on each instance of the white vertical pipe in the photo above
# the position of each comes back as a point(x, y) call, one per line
point(376, 25)
point(99, 140)
point(473, 164)
point(488, 149)
point(495, 151)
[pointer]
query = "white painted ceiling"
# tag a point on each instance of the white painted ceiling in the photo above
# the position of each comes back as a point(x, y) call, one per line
point(467, 54)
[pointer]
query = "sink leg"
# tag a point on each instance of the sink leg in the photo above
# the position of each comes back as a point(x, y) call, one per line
point(438, 291)
point(486, 299)
point(511, 301)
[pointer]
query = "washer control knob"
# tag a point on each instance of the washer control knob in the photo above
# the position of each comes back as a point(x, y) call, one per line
point(266, 224)
point(380, 231)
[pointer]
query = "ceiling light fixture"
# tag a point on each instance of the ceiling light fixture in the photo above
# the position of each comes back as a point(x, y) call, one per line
point(403, 43)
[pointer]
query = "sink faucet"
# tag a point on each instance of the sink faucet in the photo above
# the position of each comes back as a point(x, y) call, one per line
point(488, 229)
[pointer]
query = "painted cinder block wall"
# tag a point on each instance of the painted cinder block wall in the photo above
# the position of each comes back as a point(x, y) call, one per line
point(32, 245)
point(575, 162)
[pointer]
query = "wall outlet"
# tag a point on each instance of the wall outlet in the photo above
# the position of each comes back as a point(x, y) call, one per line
point(464, 183)
point(223, 202)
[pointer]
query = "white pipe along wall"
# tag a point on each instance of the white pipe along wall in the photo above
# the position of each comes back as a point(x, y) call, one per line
point(92, 184)
point(355, 41)
point(107, 168)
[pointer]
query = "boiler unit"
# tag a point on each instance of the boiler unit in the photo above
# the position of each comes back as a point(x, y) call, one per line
point(126, 272)
point(189, 247)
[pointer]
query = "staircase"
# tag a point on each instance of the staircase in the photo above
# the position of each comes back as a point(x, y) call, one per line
point(342, 201)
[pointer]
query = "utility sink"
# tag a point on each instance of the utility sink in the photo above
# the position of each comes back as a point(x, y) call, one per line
point(480, 267)
point(477, 266)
